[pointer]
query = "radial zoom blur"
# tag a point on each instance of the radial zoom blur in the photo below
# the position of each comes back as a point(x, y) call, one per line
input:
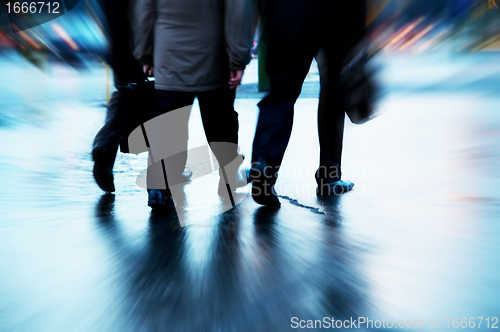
point(413, 245)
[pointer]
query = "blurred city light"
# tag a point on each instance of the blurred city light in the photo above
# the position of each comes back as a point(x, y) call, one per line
point(418, 233)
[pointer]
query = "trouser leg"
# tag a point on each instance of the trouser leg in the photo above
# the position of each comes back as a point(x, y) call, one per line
point(220, 122)
point(108, 137)
point(339, 34)
point(274, 125)
point(331, 118)
point(168, 137)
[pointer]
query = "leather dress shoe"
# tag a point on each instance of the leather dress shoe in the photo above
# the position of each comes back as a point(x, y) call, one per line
point(263, 191)
point(160, 200)
point(103, 168)
point(334, 188)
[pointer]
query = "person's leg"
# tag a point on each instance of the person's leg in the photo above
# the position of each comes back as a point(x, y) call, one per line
point(167, 137)
point(274, 126)
point(105, 145)
point(287, 67)
point(338, 35)
point(330, 119)
point(220, 122)
point(291, 38)
point(109, 134)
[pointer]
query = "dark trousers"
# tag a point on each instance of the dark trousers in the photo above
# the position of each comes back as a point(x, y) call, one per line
point(118, 112)
point(220, 122)
point(295, 33)
point(108, 137)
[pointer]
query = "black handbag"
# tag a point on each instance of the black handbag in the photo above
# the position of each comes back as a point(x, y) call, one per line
point(359, 89)
point(137, 103)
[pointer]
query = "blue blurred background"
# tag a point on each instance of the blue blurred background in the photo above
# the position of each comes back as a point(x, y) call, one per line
point(417, 237)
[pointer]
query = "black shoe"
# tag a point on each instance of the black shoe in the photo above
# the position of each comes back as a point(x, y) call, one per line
point(103, 169)
point(263, 191)
point(334, 188)
point(160, 200)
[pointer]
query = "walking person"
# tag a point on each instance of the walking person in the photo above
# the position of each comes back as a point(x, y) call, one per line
point(127, 71)
point(296, 31)
point(195, 49)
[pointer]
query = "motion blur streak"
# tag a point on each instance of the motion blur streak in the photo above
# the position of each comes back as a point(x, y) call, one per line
point(64, 35)
point(488, 42)
point(478, 38)
point(30, 41)
point(417, 37)
point(403, 33)
point(416, 238)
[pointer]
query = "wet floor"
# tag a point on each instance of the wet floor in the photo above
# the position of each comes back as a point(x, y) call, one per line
point(416, 240)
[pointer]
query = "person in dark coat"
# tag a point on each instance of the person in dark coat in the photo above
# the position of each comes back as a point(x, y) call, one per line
point(195, 49)
point(120, 19)
point(295, 31)
point(126, 70)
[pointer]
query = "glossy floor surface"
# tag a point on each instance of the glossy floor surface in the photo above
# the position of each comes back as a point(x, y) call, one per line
point(417, 238)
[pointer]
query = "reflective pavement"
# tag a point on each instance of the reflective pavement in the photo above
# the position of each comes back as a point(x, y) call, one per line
point(416, 239)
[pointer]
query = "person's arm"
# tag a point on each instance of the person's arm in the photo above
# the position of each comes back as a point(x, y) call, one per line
point(144, 28)
point(238, 31)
